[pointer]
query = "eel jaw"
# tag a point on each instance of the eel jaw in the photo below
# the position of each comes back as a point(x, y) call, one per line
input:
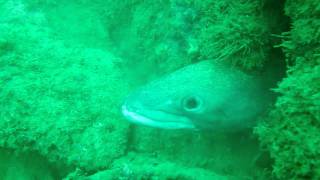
point(154, 118)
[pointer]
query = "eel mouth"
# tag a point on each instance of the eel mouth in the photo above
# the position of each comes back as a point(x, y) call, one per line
point(155, 118)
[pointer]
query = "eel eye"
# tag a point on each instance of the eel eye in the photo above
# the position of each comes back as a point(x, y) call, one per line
point(191, 103)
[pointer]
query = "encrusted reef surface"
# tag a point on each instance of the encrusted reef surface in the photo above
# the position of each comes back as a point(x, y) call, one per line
point(66, 66)
point(291, 133)
point(55, 96)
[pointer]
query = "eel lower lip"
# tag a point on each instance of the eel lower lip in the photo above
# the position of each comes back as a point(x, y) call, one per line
point(157, 119)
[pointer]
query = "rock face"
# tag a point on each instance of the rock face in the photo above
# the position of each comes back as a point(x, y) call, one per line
point(55, 96)
point(292, 130)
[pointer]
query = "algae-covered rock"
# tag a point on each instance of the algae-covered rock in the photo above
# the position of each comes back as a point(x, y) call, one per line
point(291, 132)
point(154, 37)
point(224, 154)
point(142, 166)
point(57, 99)
point(242, 29)
point(166, 35)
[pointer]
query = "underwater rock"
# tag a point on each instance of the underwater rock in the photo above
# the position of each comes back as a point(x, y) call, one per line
point(58, 99)
point(291, 133)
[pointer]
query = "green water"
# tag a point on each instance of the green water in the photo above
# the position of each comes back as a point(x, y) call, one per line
point(67, 66)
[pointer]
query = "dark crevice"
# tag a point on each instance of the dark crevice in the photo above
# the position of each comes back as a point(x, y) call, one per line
point(130, 139)
point(279, 23)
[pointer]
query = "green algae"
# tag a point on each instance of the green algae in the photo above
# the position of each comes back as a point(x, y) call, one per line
point(292, 130)
point(54, 98)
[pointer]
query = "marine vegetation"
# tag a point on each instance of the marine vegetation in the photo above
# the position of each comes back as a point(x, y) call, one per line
point(291, 133)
